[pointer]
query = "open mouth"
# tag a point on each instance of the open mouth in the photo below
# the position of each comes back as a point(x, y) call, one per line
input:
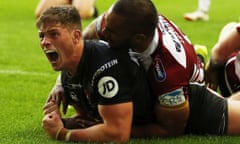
point(52, 56)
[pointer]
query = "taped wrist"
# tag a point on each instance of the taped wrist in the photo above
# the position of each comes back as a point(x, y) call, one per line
point(63, 134)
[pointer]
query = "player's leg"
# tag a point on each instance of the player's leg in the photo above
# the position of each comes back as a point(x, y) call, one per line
point(203, 5)
point(233, 117)
point(86, 8)
point(235, 96)
point(44, 4)
point(201, 13)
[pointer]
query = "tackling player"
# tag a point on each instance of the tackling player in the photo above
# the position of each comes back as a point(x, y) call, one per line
point(163, 49)
point(167, 54)
point(181, 106)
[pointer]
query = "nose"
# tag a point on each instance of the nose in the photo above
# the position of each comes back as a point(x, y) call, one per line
point(45, 42)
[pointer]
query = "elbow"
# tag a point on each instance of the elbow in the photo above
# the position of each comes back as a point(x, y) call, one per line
point(122, 139)
point(120, 136)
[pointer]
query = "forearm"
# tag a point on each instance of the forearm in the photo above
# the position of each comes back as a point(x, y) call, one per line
point(115, 125)
point(56, 90)
point(173, 119)
point(149, 130)
point(96, 133)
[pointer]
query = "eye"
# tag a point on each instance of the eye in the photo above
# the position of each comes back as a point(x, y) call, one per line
point(53, 34)
point(41, 36)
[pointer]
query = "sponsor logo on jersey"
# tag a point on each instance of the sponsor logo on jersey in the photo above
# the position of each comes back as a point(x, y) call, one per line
point(172, 98)
point(173, 41)
point(159, 70)
point(104, 67)
point(108, 87)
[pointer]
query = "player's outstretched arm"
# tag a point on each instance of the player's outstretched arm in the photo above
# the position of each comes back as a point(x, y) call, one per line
point(116, 126)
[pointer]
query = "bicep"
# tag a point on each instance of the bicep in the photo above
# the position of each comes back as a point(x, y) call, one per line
point(118, 117)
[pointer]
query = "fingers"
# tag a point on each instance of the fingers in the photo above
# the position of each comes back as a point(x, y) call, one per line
point(46, 119)
point(53, 97)
point(51, 122)
point(51, 118)
point(60, 97)
point(56, 94)
point(50, 107)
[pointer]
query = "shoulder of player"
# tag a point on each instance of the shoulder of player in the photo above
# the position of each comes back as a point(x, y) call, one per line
point(101, 58)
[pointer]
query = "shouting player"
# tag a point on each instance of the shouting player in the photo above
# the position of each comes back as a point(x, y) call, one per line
point(107, 89)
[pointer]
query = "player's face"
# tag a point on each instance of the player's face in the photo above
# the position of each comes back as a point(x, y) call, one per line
point(115, 31)
point(56, 42)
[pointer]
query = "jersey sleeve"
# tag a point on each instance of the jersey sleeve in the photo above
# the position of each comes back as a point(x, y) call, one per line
point(114, 85)
point(126, 83)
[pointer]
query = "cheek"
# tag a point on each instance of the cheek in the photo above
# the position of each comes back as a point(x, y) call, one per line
point(65, 50)
point(123, 41)
point(118, 39)
point(64, 43)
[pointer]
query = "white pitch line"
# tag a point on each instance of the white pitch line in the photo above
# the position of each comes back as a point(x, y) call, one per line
point(21, 72)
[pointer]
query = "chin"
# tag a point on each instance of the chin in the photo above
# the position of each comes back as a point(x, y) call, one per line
point(55, 68)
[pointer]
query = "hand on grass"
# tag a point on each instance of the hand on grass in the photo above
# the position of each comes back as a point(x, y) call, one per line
point(52, 123)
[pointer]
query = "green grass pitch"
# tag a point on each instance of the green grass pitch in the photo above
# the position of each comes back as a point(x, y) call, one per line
point(26, 76)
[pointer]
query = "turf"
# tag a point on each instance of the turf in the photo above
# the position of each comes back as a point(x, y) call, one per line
point(26, 76)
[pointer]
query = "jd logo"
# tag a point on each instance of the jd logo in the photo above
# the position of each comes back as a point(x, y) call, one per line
point(108, 87)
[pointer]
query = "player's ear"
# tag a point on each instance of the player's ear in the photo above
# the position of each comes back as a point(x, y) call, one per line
point(77, 35)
